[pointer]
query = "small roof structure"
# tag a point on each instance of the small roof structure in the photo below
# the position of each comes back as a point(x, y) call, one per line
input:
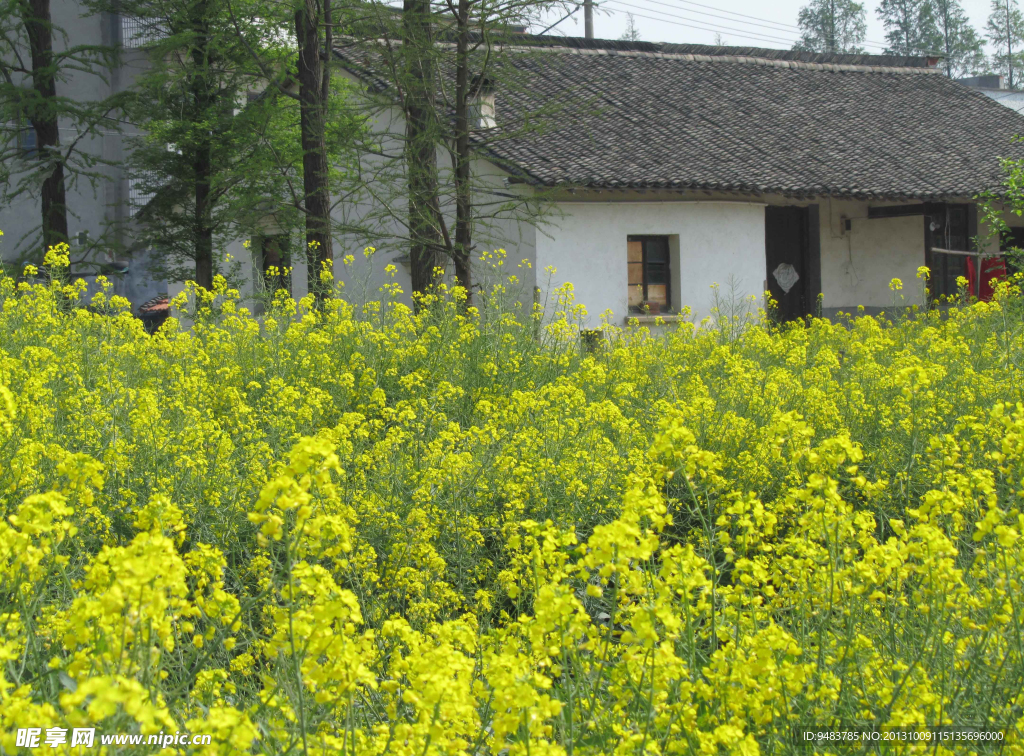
point(699, 117)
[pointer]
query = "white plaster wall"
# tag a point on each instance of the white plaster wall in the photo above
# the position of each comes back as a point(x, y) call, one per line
point(720, 242)
point(858, 265)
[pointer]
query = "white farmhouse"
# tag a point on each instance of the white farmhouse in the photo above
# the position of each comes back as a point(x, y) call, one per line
point(818, 177)
point(670, 169)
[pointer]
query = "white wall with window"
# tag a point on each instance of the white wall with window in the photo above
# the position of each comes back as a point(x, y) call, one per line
point(674, 251)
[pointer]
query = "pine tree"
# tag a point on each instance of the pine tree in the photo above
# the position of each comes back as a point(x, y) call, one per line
point(427, 234)
point(447, 65)
point(314, 30)
point(832, 26)
point(909, 26)
point(1006, 33)
point(956, 40)
point(200, 139)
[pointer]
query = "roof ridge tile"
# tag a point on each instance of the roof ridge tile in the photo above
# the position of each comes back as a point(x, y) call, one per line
point(734, 59)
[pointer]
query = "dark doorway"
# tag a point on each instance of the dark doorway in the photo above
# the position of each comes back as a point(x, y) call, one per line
point(947, 227)
point(792, 271)
point(1013, 241)
point(275, 262)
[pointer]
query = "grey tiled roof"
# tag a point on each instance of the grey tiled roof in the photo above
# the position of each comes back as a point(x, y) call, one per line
point(656, 120)
point(750, 120)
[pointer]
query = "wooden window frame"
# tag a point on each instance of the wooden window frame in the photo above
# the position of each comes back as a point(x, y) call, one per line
point(644, 239)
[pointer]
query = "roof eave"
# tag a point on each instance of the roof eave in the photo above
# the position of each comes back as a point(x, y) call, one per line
point(805, 193)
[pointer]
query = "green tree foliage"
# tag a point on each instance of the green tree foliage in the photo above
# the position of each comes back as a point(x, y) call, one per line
point(1006, 34)
point(909, 26)
point(832, 26)
point(200, 135)
point(956, 40)
point(222, 151)
point(315, 169)
point(632, 33)
point(41, 75)
point(996, 208)
point(445, 65)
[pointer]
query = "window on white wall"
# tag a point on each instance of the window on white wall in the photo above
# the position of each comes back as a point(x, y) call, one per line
point(27, 143)
point(21, 127)
point(141, 190)
point(136, 32)
point(649, 273)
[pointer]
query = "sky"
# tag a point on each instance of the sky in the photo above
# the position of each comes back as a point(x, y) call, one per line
point(745, 23)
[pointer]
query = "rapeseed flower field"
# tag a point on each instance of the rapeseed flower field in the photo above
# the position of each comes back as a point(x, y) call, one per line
point(360, 529)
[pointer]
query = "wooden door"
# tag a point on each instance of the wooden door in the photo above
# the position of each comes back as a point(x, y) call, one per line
point(786, 255)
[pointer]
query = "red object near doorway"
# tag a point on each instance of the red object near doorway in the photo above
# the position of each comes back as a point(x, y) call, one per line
point(993, 269)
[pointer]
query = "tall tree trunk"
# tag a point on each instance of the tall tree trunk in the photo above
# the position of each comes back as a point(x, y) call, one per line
point(832, 34)
point(38, 24)
point(421, 139)
point(314, 72)
point(463, 201)
point(202, 162)
point(203, 226)
point(947, 42)
point(1009, 44)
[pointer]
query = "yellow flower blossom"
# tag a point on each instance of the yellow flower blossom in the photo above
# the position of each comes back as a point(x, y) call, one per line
point(367, 527)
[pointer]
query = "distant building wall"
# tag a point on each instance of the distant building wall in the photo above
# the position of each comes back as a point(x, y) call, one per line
point(495, 228)
point(94, 212)
point(988, 81)
point(994, 86)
